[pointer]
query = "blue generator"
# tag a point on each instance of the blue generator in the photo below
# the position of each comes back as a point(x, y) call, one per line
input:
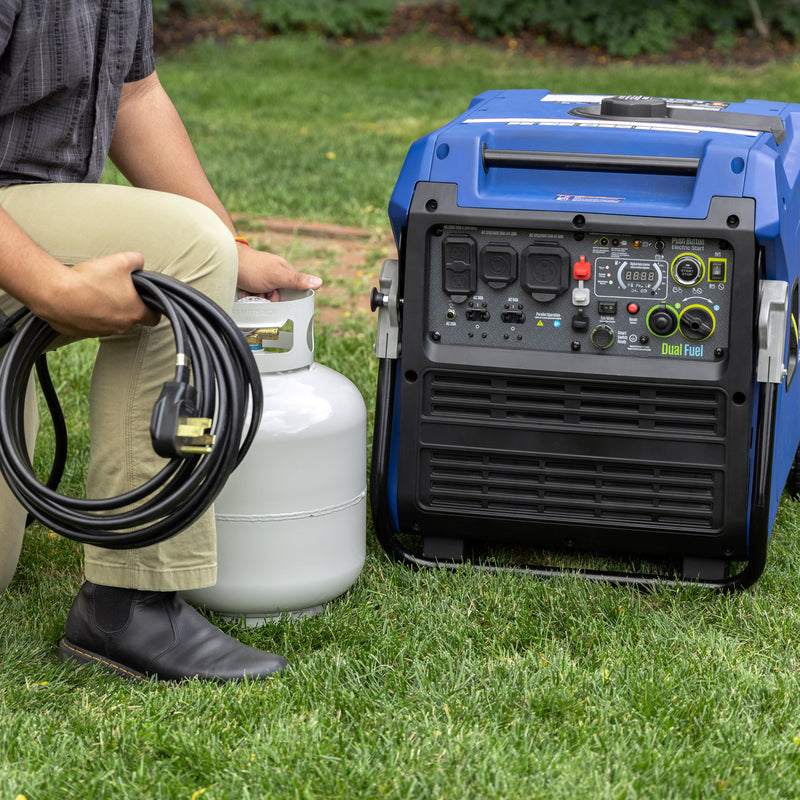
point(588, 342)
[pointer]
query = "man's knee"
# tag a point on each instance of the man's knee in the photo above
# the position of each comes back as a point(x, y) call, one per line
point(201, 250)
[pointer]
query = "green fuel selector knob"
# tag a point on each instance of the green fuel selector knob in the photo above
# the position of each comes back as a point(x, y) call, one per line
point(662, 320)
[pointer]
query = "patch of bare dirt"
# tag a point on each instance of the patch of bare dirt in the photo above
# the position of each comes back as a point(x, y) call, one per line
point(348, 259)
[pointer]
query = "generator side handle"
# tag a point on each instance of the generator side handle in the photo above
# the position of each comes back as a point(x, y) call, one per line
point(759, 514)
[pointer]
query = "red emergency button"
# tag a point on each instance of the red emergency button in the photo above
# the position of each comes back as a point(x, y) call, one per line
point(633, 308)
point(582, 270)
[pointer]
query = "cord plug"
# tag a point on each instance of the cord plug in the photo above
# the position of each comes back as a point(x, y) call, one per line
point(175, 429)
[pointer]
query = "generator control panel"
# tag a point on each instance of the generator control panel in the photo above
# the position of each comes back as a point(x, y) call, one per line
point(591, 291)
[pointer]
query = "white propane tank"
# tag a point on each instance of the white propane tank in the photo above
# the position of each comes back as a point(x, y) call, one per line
point(291, 521)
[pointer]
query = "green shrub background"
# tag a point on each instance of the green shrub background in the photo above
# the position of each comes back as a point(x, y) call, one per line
point(619, 27)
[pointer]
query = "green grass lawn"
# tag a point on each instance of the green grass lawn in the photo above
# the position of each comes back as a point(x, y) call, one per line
point(422, 684)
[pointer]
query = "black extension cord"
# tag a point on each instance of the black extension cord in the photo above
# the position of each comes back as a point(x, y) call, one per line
point(198, 423)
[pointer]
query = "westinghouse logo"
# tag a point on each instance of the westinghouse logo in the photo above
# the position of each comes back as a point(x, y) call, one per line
point(683, 350)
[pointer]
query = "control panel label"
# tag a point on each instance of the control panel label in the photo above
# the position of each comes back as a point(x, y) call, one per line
point(687, 350)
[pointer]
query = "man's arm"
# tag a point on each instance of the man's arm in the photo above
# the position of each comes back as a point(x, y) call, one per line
point(152, 150)
point(94, 298)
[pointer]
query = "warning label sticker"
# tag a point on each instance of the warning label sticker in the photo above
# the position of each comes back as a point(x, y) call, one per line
point(586, 198)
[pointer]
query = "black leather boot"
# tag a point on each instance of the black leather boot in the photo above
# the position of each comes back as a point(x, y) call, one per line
point(141, 634)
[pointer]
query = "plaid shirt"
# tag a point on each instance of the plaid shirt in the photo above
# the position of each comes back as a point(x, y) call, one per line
point(62, 66)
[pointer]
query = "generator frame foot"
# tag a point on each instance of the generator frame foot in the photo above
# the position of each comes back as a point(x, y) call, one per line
point(705, 569)
point(443, 547)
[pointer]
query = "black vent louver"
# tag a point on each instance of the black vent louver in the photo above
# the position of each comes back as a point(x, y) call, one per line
point(598, 405)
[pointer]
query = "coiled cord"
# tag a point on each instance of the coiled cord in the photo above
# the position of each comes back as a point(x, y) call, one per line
point(216, 378)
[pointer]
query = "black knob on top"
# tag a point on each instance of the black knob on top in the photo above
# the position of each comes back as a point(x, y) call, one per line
point(633, 106)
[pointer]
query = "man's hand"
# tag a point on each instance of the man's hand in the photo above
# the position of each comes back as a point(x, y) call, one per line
point(152, 150)
point(265, 274)
point(94, 298)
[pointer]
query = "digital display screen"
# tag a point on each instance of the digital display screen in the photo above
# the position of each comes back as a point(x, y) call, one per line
point(640, 275)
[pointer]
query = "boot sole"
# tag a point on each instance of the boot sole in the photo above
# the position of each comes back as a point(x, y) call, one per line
point(69, 653)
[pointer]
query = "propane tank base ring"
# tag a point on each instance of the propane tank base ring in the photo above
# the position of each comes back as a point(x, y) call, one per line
point(257, 620)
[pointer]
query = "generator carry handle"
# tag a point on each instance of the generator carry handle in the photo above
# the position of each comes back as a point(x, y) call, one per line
point(589, 162)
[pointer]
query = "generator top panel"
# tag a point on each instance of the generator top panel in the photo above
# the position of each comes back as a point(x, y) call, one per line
point(661, 157)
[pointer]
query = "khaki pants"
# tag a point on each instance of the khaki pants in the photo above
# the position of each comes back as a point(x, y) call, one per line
point(177, 237)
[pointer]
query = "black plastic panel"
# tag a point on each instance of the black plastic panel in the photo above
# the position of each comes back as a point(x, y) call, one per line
point(525, 416)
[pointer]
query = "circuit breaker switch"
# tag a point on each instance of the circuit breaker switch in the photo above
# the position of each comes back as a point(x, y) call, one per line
point(582, 269)
point(580, 322)
point(580, 296)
